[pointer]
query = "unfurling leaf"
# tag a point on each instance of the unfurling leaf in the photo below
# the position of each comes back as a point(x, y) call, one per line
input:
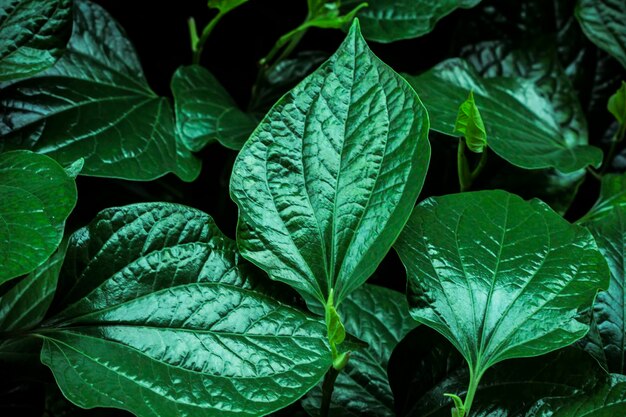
point(470, 125)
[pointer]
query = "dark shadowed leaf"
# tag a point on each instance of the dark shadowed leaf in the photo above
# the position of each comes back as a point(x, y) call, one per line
point(603, 23)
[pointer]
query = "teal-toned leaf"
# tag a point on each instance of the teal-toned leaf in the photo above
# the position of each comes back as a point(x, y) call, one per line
point(205, 112)
point(327, 180)
point(617, 104)
point(95, 103)
point(157, 314)
point(609, 309)
point(603, 23)
point(392, 20)
point(522, 273)
point(608, 400)
point(380, 317)
point(36, 196)
point(612, 194)
point(33, 35)
point(470, 124)
point(520, 121)
point(26, 303)
point(225, 6)
point(425, 365)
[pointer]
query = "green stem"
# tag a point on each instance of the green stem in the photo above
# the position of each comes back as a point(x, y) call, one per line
point(197, 43)
point(328, 387)
point(471, 391)
point(465, 178)
point(481, 164)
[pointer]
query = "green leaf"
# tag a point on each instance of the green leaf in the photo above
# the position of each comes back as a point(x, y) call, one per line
point(205, 112)
point(96, 104)
point(520, 121)
point(160, 316)
point(609, 309)
point(33, 35)
point(470, 125)
point(521, 272)
point(225, 6)
point(26, 304)
point(603, 23)
point(425, 365)
point(36, 196)
point(612, 194)
point(328, 179)
point(380, 317)
point(617, 104)
point(608, 400)
point(392, 20)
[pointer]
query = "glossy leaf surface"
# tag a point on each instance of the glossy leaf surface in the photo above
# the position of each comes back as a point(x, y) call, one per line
point(521, 123)
point(95, 104)
point(33, 34)
point(603, 23)
point(205, 112)
point(608, 400)
point(329, 177)
point(36, 196)
point(379, 317)
point(425, 365)
point(612, 194)
point(521, 272)
point(392, 20)
point(160, 316)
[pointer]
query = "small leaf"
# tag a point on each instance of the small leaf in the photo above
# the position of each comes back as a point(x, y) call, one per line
point(470, 125)
point(225, 6)
point(380, 317)
point(157, 314)
point(522, 273)
point(617, 104)
point(603, 23)
point(33, 35)
point(95, 103)
point(393, 20)
point(608, 400)
point(612, 194)
point(205, 112)
point(36, 196)
point(521, 123)
point(327, 180)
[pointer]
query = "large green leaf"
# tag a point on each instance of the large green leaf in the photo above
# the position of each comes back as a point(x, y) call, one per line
point(379, 317)
point(96, 104)
point(205, 112)
point(328, 179)
point(157, 314)
point(425, 365)
point(33, 35)
point(608, 400)
point(609, 311)
point(521, 123)
point(499, 277)
point(603, 23)
point(36, 196)
point(392, 20)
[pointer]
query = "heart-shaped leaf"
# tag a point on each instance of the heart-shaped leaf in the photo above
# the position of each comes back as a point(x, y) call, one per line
point(499, 277)
point(33, 35)
point(95, 103)
point(36, 196)
point(392, 20)
point(159, 316)
point(425, 365)
point(603, 23)
point(521, 123)
point(328, 179)
point(379, 317)
point(205, 112)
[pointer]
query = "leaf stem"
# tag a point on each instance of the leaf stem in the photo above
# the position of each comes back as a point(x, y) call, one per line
point(465, 177)
point(328, 386)
point(197, 42)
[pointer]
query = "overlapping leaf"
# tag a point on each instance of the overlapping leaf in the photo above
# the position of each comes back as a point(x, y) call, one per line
point(521, 123)
point(603, 23)
point(327, 180)
point(379, 317)
point(36, 196)
point(521, 273)
point(205, 112)
point(157, 314)
point(95, 103)
point(392, 20)
point(612, 194)
point(33, 35)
